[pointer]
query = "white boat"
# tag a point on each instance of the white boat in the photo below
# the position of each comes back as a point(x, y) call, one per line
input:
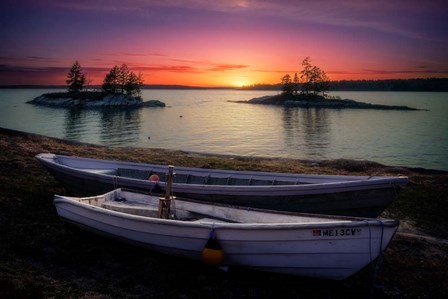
point(365, 196)
point(329, 247)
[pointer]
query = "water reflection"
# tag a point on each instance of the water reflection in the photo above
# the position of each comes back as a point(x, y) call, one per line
point(73, 123)
point(111, 126)
point(120, 126)
point(307, 130)
point(218, 127)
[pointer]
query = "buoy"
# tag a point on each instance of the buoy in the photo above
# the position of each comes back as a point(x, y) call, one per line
point(154, 178)
point(212, 254)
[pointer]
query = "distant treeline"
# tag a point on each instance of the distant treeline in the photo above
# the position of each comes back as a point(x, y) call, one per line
point(429, 84)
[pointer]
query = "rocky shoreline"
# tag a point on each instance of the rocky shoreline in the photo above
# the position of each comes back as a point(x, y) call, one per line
point(317, 101)
point(108, 100)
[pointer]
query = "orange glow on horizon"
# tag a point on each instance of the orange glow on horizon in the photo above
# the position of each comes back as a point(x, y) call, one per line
point(214, 78)
point(219, 43)
point(230, 72)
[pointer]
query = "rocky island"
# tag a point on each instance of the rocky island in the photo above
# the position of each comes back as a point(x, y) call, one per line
point(121, 88)
point(93, 100)
point(307, 88)
point(318, 101)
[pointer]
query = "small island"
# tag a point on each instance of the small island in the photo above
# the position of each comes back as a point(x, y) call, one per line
point(93, 99)
point(121, 88)
point(319, 101)
point(308, 91)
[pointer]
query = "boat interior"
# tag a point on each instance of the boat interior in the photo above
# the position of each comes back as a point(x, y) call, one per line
point(188, 178)
point(145, 205)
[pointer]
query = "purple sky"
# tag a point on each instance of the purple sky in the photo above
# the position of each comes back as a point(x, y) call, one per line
point(222, 43)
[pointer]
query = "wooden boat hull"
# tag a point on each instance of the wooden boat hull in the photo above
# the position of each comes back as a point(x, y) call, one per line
point(306, 245)
point(335, 195)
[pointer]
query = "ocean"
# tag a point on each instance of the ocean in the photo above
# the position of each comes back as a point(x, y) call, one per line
point(205, 121)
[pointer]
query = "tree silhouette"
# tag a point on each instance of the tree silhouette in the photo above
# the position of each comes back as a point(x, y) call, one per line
point(306, 75)
point(123, 77)
point(111, 81)
point(121, 80)
point(134, 84)
point(76, 78)
point(322, 83)
point(287, 85)
point(295, 84)
point(313, 78)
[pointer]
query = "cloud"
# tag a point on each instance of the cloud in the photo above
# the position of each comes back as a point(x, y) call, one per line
point(130, 54)
point(227, 67)
point(119, 6)
point(9, 68)
point(32, 64)
point(404, 18)
point(29, 60)
point(168, 68)
point(64, 70)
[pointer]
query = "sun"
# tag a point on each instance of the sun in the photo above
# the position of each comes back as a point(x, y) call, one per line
point(238, 82)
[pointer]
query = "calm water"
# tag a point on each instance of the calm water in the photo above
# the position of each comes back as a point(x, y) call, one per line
point(204, 121)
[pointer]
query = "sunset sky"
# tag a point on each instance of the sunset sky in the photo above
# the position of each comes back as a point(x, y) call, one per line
point(222, 43)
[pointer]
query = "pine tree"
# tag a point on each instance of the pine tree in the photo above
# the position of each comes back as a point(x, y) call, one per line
point(295, 84)
point(123, 77)
point(111, 80)
point(76, 78)
point(134, 84)
point(287, 85)
point(306, 76)
point(122, 80)
point(313, 78)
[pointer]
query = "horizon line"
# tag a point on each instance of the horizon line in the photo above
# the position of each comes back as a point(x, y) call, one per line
point(182, 86)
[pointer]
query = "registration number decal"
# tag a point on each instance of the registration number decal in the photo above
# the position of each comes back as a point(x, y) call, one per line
point(338, 232)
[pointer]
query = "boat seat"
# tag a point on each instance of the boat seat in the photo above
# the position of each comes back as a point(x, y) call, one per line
point(139, 210)
point(210, 220)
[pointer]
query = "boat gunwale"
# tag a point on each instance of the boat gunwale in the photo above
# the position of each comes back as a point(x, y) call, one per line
point(346, 181)
point(52, 158)
point(345, 220)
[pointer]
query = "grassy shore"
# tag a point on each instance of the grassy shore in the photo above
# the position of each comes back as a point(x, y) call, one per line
point(41, 257)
